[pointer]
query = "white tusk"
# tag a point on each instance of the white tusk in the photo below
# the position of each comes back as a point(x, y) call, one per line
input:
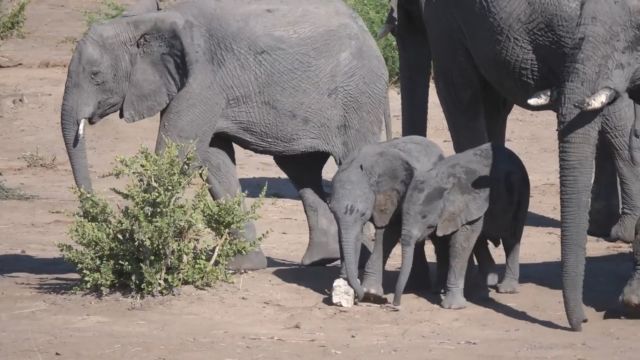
point(541, 98)
point(598, 100)
point(81, 128)
point(384, 31)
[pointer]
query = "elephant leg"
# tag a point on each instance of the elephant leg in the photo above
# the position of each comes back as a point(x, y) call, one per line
point(222, 179)
point(509, 284)
point(605, 206)
point(486, 264)
point(631, 294)
point(460, 249)
point(460, 89)
point(374, 269)
point(415, 69)
point(496, 110)
point(618, 129)
point(305, 172)
point(441, 246)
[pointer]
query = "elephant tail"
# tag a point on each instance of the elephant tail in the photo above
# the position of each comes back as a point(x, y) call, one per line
point(387, 119)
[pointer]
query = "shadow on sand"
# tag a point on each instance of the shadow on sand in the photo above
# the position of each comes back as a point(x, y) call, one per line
point(605, 278)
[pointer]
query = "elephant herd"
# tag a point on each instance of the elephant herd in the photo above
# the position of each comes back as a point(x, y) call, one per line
point(303, 80)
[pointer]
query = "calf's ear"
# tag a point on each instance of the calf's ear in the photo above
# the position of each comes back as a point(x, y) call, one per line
point(465, 200)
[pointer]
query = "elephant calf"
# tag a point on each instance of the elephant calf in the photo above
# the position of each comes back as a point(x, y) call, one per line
point(467, 198)
point(370, 186)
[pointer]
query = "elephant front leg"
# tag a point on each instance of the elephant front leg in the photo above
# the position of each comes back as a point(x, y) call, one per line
point(630, 297)
point(305, 172)
point(460, 249)
point(605, 205)
point(219, 160)
point(374, 269)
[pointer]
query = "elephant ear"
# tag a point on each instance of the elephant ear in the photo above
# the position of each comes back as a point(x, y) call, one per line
point(465, 200)
point(390, 184)
point(159, 68)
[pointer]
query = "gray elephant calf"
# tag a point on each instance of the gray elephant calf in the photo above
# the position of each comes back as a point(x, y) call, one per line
point(479, 194)
point(370, 186)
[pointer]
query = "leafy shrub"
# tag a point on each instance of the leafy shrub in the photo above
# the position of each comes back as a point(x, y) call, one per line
point(12, 23)
point(37, 160)
point(160, 238)
point(374, 13)
point(109, 9)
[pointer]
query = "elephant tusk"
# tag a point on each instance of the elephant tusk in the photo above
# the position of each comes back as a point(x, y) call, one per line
point(542, 98)
point(81, 129)
point(598, 100)
point(384, 31)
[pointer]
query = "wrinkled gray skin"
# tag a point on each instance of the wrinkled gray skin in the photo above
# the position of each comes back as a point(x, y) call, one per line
point(469, 197)
point(300, 80)
point(370, 186)
point(491, 55)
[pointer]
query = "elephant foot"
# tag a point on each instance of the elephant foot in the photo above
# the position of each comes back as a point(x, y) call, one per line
point(624, 229)
point(454, 300)
point(630, 297)
point(253, 260)
point(323, 248)
point(373, 291)
point(508, 286)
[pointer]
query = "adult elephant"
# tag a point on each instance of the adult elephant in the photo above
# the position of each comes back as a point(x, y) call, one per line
point(491, 55)
point(296, 79)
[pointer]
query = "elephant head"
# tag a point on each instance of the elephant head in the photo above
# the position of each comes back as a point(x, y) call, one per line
point(134, 65)
point(601, 76)
point(442, 200)
point(369, 186)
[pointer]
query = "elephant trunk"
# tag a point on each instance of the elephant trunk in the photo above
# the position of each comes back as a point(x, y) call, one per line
point(574, 182)
point(349, 234)
point(592, 84)
point(405, 269)
point(73, 135)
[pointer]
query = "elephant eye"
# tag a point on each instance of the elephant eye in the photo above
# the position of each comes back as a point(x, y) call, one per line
point(95, 77)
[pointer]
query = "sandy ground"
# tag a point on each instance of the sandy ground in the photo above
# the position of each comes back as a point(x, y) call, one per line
point(281, 312)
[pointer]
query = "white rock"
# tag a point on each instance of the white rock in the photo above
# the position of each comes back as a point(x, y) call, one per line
point(342, 294)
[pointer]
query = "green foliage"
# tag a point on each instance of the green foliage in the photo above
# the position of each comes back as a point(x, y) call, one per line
point(109, 9)
point(12, 23)
point(374, 13)
point(160, 238)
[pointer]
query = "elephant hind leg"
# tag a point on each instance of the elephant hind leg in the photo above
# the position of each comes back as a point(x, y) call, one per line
point(219, 159)
point(305, 172)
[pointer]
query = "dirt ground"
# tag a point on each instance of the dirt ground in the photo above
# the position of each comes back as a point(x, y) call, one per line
point(281, 312)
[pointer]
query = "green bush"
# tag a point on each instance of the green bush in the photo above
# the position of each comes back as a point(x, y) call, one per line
point(12, 23)
point(159, 238)
point(374, 13)
point(109, 9)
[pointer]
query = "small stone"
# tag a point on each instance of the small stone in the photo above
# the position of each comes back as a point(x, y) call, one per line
point(342, 294)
